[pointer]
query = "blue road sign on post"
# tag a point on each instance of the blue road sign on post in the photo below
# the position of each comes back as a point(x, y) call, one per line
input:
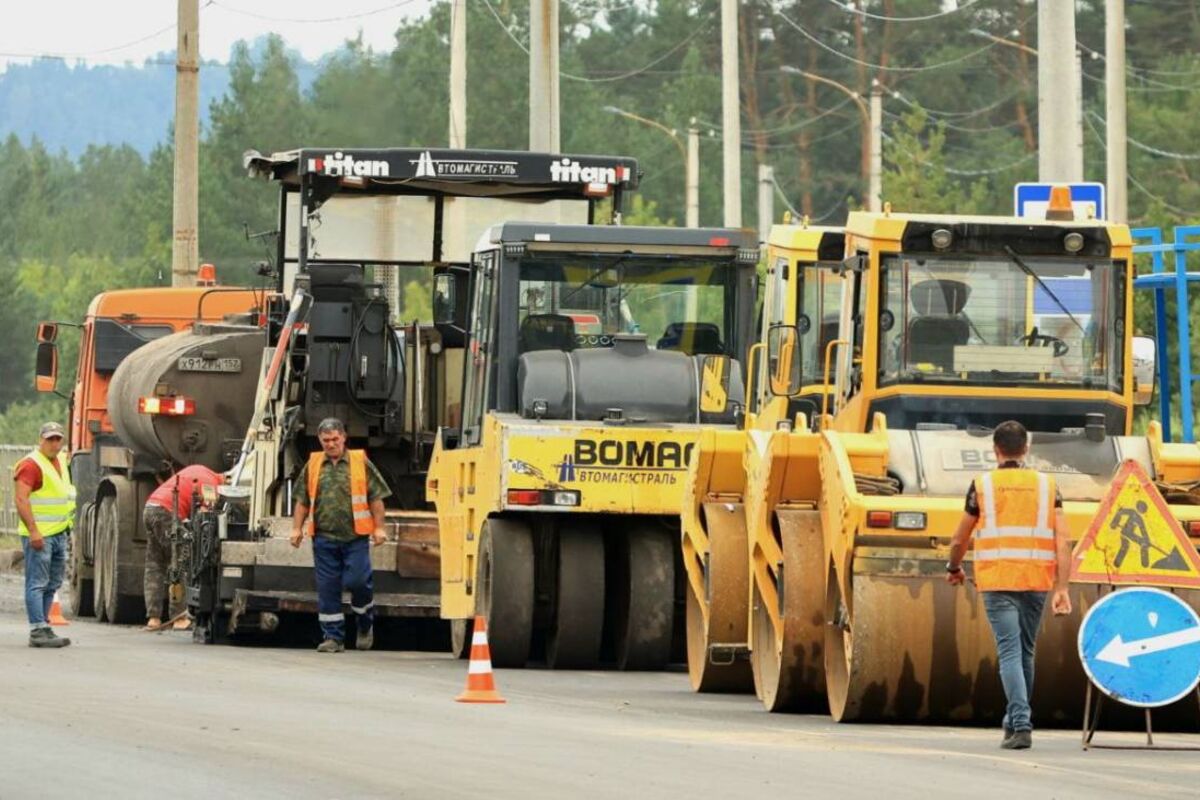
point(1141, 646)
point(1032, 199)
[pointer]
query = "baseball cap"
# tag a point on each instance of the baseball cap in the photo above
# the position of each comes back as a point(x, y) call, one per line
point(51, 429)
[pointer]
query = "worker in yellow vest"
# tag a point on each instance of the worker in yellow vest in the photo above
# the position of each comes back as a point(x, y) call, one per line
point(45, 500)
point(1022, 553)
point(343, 494)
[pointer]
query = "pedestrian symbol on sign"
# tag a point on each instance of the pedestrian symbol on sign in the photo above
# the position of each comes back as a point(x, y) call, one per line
point(1134, 538)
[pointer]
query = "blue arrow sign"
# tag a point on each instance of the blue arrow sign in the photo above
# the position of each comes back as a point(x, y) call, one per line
point(1141, 646)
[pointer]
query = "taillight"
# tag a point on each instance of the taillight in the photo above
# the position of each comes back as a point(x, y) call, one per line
point(167, 406)
point(543, 497)
point(879, 519)
point(1193, 527)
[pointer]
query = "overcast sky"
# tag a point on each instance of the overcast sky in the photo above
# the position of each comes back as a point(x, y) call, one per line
point(117, 31)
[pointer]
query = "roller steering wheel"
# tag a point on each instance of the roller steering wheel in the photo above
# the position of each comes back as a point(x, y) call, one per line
point(1035, 339)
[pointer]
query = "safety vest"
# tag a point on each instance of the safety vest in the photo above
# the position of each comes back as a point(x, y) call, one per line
point(53, 505)
point(364, 524)
point(1014, 536)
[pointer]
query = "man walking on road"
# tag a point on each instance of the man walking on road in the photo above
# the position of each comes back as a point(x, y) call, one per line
point(172, 500)
point(1021, 553)
point(45, 500)
point(344, 494)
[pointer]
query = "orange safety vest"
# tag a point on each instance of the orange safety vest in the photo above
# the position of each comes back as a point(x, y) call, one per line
point(1014, 535)
point(364, 523)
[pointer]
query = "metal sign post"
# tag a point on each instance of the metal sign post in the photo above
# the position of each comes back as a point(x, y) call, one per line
point(1141, 647)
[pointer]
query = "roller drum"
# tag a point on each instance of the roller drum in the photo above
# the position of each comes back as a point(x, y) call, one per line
point(198, 364)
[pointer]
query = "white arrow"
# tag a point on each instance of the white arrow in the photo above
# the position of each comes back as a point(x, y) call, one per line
point(1118, 651)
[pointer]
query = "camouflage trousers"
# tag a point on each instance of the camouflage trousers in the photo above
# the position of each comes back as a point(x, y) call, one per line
point(155, 586)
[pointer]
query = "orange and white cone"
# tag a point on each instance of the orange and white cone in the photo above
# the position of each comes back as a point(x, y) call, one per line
point(56, 615)
point(480, 686)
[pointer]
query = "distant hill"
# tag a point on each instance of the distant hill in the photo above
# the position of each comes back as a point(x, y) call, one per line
point(69, 107)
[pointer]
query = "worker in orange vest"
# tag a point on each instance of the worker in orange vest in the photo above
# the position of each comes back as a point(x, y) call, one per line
point(1022, 553)
point(341, 494)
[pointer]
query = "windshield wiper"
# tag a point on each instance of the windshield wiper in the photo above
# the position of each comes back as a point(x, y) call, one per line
point(588, 282)
point(1016, 259)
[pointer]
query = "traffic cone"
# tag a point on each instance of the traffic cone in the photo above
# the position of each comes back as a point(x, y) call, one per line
point(480, 686)
point(56, 615)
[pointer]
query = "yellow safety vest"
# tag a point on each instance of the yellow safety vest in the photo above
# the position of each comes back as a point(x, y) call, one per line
point(1014, 536)
point(364, 522)
point(53, 505)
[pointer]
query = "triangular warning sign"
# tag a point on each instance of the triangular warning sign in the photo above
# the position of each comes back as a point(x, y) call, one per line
point(1134, 538)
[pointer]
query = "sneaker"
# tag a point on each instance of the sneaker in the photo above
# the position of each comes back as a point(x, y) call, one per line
point(330, 646)
point(365, 639)
point(1008, 732)
point(45, 637)
point(1020, 740)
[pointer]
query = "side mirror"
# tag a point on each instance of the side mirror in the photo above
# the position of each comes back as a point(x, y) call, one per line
point(1144, 360)
point(445, 298)
point(783, 360)
point(46, 369)
point(606, 278)
point(714, 385)
point(47, 331)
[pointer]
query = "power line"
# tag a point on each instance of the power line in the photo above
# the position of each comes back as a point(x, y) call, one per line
point(1132, 70)
point(955, 127)
point(1155, 151)
point(1134, 181)
point(882, 67)
point(308, 20)
point(961, 114)
point(859, 12)
point(584, 79)
point(974, 173)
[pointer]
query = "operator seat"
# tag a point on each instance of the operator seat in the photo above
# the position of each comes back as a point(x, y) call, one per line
point(546, 332)
point(939, 328)
point(693, 338)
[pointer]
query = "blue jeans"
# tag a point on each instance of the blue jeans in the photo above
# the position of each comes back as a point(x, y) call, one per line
point(43, 575)
point(343, 566)
point(1015, 618)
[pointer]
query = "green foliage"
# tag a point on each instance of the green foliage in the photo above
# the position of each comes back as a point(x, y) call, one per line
point(916, 172)
point(20, 423)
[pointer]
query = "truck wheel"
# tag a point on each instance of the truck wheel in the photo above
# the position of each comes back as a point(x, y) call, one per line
point(105, 513)
point(645, 599)
point(505, 589)
point(574, 638)
point(120, 609)
point(81, 599)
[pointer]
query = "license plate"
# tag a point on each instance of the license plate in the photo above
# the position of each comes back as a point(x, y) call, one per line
point(198, 364)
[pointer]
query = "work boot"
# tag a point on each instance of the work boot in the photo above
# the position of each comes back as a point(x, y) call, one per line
point(45, 637)
point(1020, 740)
point(330, 646)
point(1008, 732)
point(365, 639)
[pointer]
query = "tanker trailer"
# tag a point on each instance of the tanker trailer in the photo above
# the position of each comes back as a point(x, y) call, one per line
point(180, 400)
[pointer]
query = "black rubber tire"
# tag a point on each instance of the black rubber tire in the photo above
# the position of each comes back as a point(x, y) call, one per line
point(105, 569)
point(119, 609)
point(644, 618)
point(505, 590)
point(81, 600)
point(460, 637)
point(574, 638)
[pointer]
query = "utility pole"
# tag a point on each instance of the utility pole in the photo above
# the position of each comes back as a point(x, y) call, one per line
point(1114, 109)
point(1058, 157)
point(766, 201)
point(458, 74)
point(875, 189)
point(731, 124)
point(693, 176)
point(185, 247)
point(543, 76)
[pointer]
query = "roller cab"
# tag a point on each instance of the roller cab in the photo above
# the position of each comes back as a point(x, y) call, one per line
point(597, 359)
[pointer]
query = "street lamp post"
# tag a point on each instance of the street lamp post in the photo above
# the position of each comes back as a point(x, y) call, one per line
point(867, 161)
point(691, 176)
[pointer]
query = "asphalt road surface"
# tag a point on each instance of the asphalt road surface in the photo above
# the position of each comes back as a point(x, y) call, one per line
point(128, 714)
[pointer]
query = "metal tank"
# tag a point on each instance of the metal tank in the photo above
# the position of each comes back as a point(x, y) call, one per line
point(213, 370)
